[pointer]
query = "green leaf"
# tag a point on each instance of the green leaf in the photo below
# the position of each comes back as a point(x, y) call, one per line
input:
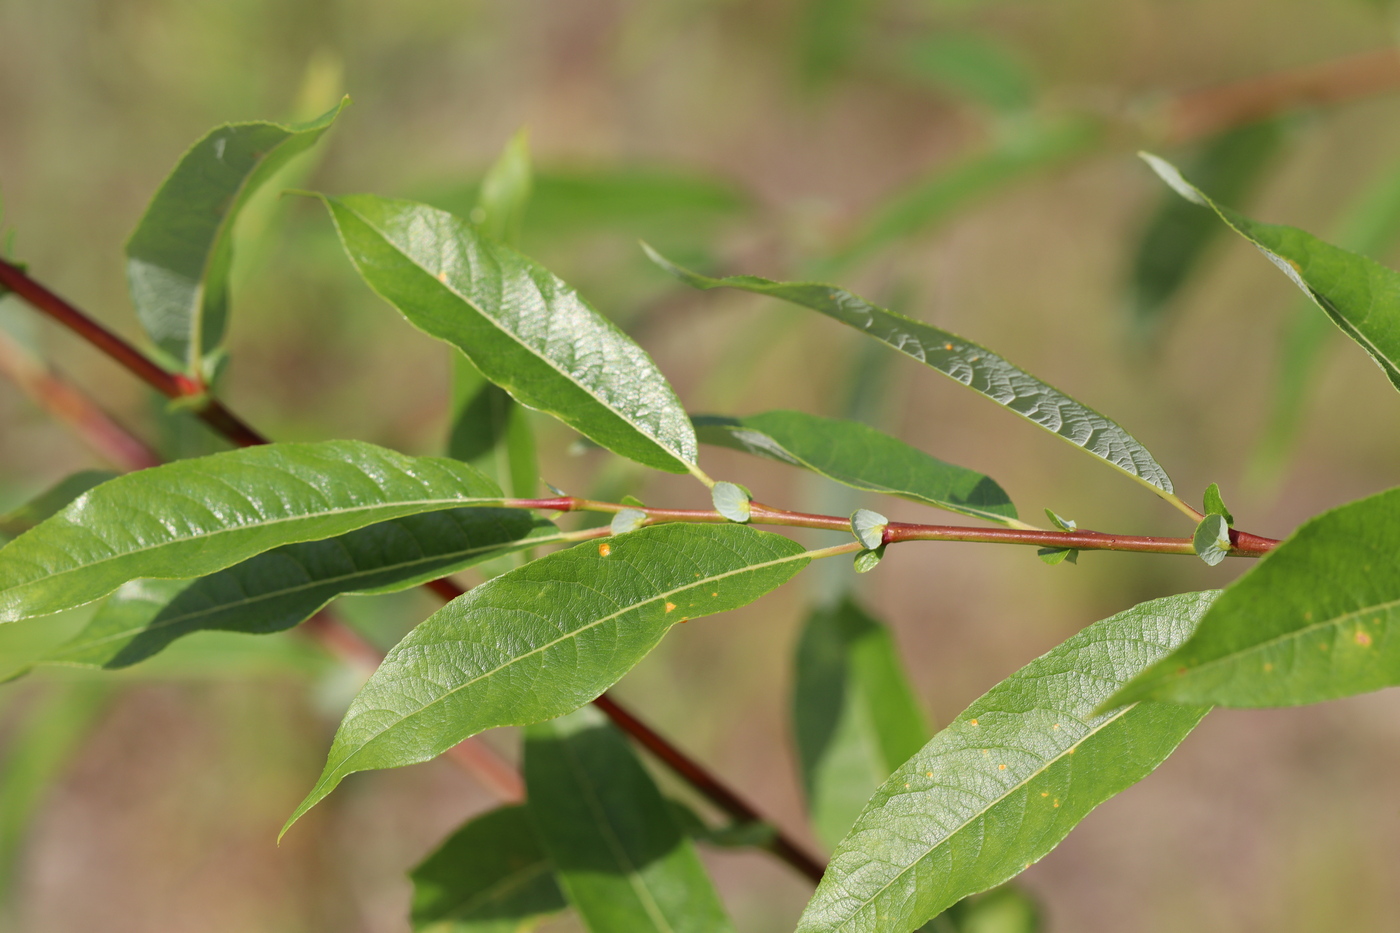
point(948, 189)
point(1215, 504)
point(1057, 555)
point(855, 716)
point(1212, 539)
point(1178, 235)
point(490, 876)
point(50, 501)
point(869, 528)
point(178, 258)
point(973, 67)
point(1370, 226)
point(617, 850)
point(731, 501)
point(1010, 777)
point(868, 559)
point(491, 432)
point(968, 363)
point(862, 457)
point(1317, 618)
point(545, 638)
point(522, 327)
point(627, 520)
point(193, 517)
point(505, 192)
point(282, 588)
point(1361, 296)
point(1064, 524)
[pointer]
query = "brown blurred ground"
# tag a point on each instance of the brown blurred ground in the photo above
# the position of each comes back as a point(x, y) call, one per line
point(1277, 821)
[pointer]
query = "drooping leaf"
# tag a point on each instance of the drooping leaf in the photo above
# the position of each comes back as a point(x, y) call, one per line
point(1178, 236)
point(545, 638)
point(523, 328)
point(854, 714)
point(617, 850)
point(282, 588)
point(968, 363)
point(1010, 777)
point(179, 256)
point(490, 876)
point(929, 201)
point(860, 456)
point(1361, 296)
point(50, 501)
point(193, 517)
point(1370, 227)
point(973, 67)
point(1317, 618)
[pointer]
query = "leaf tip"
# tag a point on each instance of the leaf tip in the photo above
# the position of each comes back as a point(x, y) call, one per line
point(1172, 176)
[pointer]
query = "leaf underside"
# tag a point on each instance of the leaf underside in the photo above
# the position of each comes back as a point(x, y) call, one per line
point(1009, 778)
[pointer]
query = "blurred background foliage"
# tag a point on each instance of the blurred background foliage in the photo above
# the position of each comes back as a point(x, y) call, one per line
point(969, 162)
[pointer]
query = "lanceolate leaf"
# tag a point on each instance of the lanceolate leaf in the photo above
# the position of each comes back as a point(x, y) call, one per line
point(619, 854)
point(524, 329)
point(491, 876)
point(860, 456)
point(47, 503)
point(193, 517)
point(178, 259)
point(1361, 296)
point(974, 366)
point(1317, 618)
point(1009, 778)
point(855, 716)
point(547, 637)
point(284, 587)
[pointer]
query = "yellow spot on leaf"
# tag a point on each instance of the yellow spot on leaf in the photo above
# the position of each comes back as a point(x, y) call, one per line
point(1001, 767)
point(442, 277)
point(1057, 801)
point(604, 549)
point(928, 774)
point(906, 786)
point(670, 607)
point(947, 346)
point(1045, 793)
point(1363, 638)
point(1055, 726)
point(714, 594)
point(973, 721)
point(1268, 667)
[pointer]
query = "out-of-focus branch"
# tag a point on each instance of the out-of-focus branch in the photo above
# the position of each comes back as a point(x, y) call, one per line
point(1205, 112)
point(56, 395)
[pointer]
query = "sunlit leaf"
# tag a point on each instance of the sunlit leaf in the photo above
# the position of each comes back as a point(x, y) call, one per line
point(490, 876)
point(967, 363)
point(522, 327)
point(1361, 296)
point(1010, 777)
point(1317, 618)
point(859, 456)
point(1178, 235)
point(545, 638)
point(193, 517)
point(284, 587)
point(854, 714)
point(178, 258)
point(618, 853)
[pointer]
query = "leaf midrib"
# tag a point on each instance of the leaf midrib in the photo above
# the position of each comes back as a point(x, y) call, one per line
point(340, 769)
point(1093, 731)
point(641, 430)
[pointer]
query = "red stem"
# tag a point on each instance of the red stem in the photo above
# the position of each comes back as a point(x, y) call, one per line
point(225, 422)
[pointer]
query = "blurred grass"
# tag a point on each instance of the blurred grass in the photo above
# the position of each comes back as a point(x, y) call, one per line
point(700, 125)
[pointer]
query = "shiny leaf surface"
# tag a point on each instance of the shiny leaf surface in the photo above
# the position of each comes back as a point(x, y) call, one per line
point(1010, 777)
point(522, 327)
point(545, 638)
point(1317, 618)
point(194, 517)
